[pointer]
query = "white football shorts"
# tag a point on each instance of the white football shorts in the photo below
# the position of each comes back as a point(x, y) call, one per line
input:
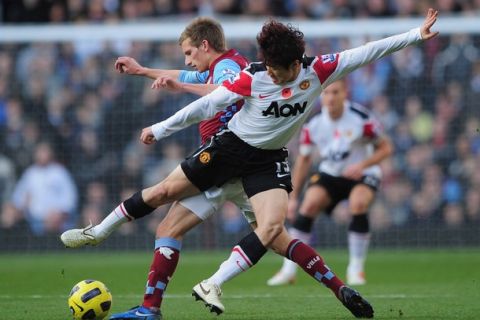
point(203, 205)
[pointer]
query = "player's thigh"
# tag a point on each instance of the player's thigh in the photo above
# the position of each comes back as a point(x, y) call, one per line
point(315, 200)
point(360, 199)
point(178, 221)
point(175, 186)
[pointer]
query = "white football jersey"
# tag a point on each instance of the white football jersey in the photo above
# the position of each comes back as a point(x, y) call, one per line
point(273, 113)
point(343, 141)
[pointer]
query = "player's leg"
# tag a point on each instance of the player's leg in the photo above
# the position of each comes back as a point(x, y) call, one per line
point(142, 203)
point(306, 257)
point(180, 219)
point(209, 290)
point(270, 210)
point(315, 200)
point(360, 200)
point(313, 264)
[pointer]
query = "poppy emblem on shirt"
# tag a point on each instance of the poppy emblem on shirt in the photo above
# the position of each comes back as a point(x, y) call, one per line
point(304, 85)
point(286, 92)
point(204, 157)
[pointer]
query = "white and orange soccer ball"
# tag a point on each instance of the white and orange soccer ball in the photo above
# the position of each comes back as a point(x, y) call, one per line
point(89, 300)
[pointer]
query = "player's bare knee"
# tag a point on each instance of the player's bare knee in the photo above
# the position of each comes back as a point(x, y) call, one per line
point(359, 206)
point(160, 194)
point(270, 232)
point(310, 210)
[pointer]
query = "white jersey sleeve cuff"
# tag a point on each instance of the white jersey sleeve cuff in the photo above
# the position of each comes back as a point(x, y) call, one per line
point(305, 149)
point(158, 131)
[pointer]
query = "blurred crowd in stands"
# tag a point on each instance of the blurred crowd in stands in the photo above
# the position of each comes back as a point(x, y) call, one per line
point(69, 124)
point(83, 11)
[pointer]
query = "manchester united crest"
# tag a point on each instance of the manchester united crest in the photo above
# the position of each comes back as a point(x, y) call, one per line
point(205, 157)
point(304, 85)
point(315, 178)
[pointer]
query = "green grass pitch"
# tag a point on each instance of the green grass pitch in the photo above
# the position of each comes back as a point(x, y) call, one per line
point(414, 284)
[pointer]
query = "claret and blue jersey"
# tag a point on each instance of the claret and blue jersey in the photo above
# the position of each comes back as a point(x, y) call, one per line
point(224, 68)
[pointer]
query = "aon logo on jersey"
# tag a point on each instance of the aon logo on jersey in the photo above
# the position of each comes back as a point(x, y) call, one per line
point(285, 110)
point(338, 155)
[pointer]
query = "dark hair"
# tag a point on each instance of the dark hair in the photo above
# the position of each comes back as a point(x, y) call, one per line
point(280, 45)
point(204, 29)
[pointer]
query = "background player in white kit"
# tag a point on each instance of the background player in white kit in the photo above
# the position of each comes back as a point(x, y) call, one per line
point(351, 145)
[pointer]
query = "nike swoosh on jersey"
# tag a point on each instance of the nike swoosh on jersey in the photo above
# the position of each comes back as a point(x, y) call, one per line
point(282, 175)
point(263, 96)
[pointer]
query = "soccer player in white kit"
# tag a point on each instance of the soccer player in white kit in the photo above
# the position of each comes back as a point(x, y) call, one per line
point(351, 145)
point(278, 95)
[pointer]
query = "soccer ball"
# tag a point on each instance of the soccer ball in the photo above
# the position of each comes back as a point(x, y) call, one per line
point(89, 300)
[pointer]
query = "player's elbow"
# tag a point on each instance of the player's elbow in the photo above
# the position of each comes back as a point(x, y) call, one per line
point(389, 148)
point(386, 147)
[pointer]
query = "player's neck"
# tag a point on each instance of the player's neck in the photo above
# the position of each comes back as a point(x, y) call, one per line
point(214, 57)
point(337, 114)
point(296, 73)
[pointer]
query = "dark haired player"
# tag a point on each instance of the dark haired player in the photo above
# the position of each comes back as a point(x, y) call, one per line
point(278, 95)
point(351, 144)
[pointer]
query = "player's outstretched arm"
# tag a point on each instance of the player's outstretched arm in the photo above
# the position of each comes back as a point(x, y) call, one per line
point(430, 20)
point(200, 109)
point(352, 59)
point(173, 85)
point(130, 66)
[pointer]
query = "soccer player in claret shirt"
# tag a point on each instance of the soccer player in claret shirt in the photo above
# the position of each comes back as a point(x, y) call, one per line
point(351, 145)
point(203, 44)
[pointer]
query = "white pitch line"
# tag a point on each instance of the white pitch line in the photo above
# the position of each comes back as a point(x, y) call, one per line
point(237, 296)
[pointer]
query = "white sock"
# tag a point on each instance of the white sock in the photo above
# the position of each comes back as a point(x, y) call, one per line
point(112, 222)
point(237, 263)
point(289, 267)
point(358, 247)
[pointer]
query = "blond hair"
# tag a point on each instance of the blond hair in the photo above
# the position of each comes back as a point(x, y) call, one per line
point(204, 29)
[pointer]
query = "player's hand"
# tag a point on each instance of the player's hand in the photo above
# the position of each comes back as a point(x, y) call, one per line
point(128, 65)
point(353, 171)
point(167, 83)
point(292, 208)
point(147, 136)
point(430, 20)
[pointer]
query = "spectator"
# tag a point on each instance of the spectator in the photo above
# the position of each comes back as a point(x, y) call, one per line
point(95, 204)
point(45, 196)
point(456, 61)
point(7, 179)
